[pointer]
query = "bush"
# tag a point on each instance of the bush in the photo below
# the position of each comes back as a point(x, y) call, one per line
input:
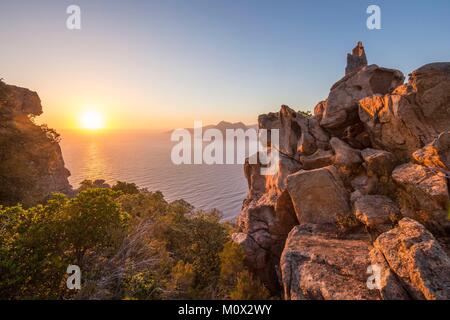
point(37, 244)
point(89, 184)
point(94, 221)
point(32, 251)
point(236, 281)
point(248, 288)
point(306, 113)
point(126, 188)
point(50, 133)
point(128, 245)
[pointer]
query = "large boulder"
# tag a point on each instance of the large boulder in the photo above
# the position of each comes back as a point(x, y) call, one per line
point(346, 158)
point(378, 162)
point(411, 116)
point(385, 280)
point(318, 265)
point(376, 212)
point(365, 184)
point(431, 89)
point(319, 159)
point(318, 196)
point(423, 194)
point(341, 108)
point(417, 259)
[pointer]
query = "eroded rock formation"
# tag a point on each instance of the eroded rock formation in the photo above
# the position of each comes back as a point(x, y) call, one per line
point(361, 185)
point(357, 59)
point(31, 163)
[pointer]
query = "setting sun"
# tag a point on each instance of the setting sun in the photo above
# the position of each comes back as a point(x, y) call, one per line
point(92, 120)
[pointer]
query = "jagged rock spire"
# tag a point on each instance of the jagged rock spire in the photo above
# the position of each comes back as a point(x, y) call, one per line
point(357, 59)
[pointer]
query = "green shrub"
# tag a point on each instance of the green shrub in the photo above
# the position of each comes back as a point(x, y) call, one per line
point(236, 281)
point(37, 244)
point(94, 221)
point(89, 184)
point(306, 113)
point(248, 288)
point(128, 245)
point(125, 187)
point(50, 133)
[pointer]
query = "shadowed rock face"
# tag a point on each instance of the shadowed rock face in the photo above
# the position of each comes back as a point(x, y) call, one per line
point(31, 163)
point(375, 151)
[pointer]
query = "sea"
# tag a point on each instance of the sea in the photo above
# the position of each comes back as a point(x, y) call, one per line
point(144, 158)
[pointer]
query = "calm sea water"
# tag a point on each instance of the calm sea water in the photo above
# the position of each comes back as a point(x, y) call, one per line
point(144, 158)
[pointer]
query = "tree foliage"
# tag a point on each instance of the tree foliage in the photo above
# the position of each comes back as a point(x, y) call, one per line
point(129, 244)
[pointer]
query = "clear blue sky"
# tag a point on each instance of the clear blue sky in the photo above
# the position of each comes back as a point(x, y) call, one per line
point(162, 64)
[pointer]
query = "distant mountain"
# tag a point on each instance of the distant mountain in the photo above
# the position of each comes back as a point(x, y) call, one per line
point(224, 125)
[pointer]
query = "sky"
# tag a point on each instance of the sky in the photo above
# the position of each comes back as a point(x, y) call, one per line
point(163, 64)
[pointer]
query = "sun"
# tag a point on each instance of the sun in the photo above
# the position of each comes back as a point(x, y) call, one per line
point(92, 120)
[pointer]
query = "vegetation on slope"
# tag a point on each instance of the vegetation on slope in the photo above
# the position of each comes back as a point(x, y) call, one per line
point(129, 244)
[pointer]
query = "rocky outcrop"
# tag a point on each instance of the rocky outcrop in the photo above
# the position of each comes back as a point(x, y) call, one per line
point(317, 265)
point(376, 212)
point(298, 133)
point(319, 159)
point(423, 194)
point(388, 284)
point(318, 195)
point(378, 162)
point(31, 163)
point(345, 157)
point(376, 151)
point(356, 60)
point(411, 116)
point(435, 154)
point(266, 218)
point(340, 110)
point(417, 259)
